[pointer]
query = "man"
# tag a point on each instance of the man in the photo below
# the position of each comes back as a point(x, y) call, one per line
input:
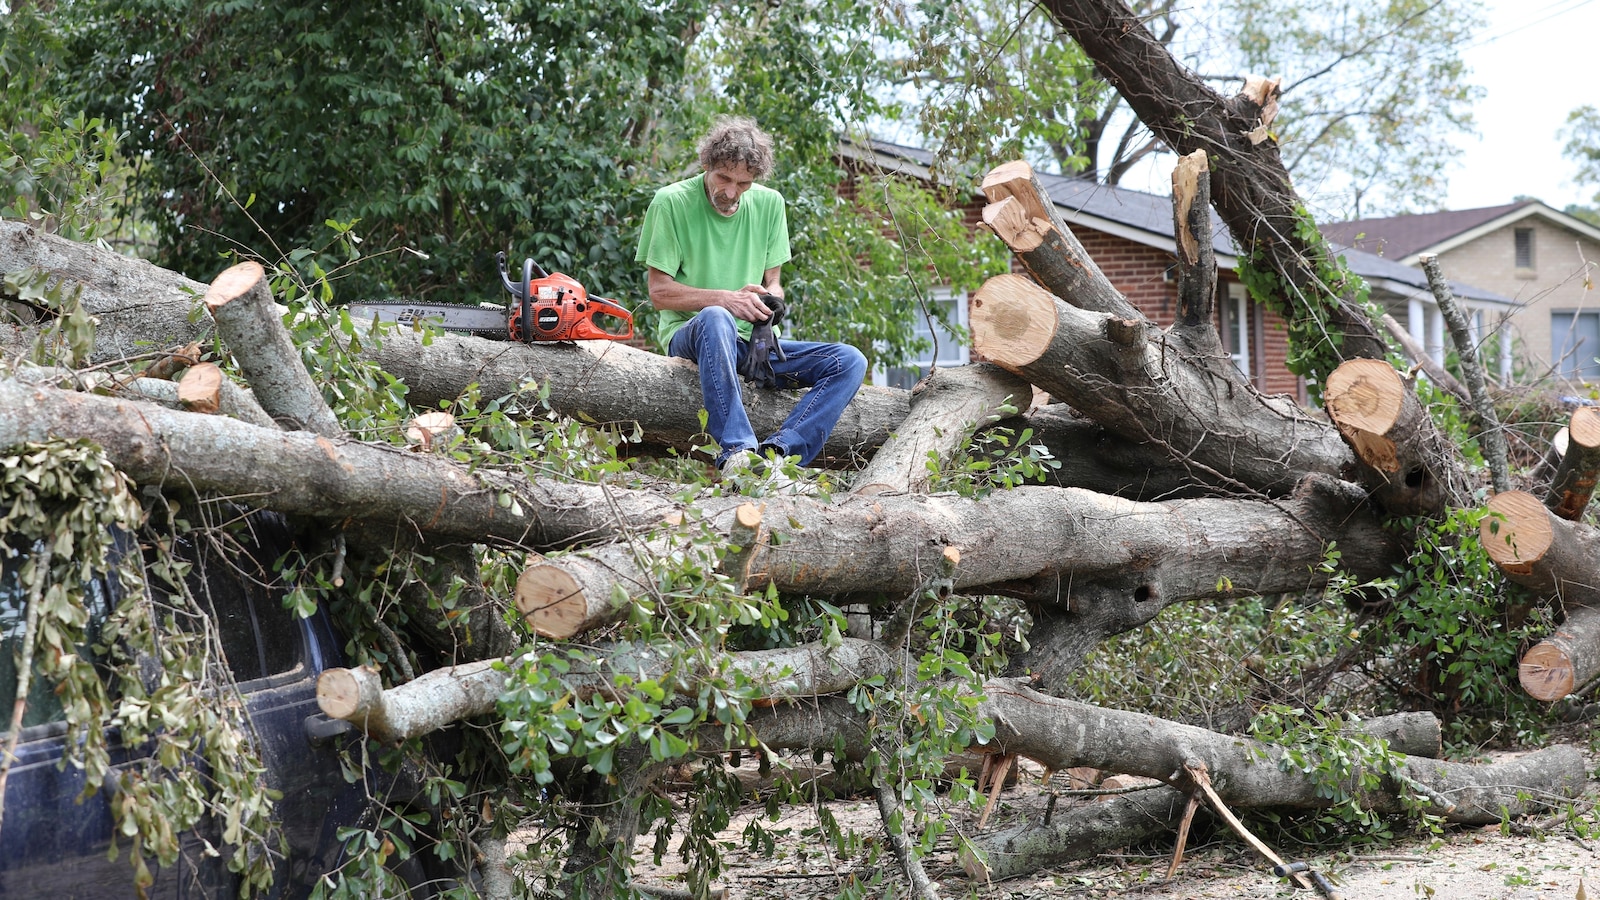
point(713, 244)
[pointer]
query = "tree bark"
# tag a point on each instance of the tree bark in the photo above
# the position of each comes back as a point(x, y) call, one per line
point(1404, 460)
point(946, 408)
point(1572, 486)
point(1566, 660)
point(1549, 556)
point(1250, 185)
point(137, 305)
point(1197, 256)
point(1129, 379)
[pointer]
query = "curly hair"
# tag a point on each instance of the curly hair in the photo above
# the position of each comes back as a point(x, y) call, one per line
point(737, 140)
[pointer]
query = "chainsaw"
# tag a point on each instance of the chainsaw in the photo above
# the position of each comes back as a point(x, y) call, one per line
point(550, 307)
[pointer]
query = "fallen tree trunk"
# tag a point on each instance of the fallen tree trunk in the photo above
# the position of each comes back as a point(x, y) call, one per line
point(1572, 486)
point(138, 305)
point(1125, 376)
point(1086, 831)
point(1063, 733)
point(1149, 554)
point(1549, 556)
point(1405, 462)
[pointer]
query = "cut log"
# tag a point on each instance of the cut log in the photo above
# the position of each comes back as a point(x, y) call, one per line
point(1566, 660)
point(1022, 214)
point(439, 698)
point(1551, 557)
point(1572, 486)
point(1130, 380)
point(1405, 461)
point(415, 708)
point(745, 537)
point(200, 389)
point(241, 303)
point(946, 408)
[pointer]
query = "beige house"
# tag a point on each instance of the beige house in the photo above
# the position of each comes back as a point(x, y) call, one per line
point(1541, 258)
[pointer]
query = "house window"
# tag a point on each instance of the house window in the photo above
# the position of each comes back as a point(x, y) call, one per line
point(1235, 326)
point(1576, 339)
point(945, 348)
point(1524, 244)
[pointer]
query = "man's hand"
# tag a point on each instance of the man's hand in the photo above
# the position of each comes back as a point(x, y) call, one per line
point(746, 304)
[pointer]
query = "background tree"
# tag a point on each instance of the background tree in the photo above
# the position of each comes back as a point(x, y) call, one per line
point(996, 77)
point(1582, 134)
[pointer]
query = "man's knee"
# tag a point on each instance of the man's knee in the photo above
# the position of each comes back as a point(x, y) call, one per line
point(852, 362)
point(716, 320)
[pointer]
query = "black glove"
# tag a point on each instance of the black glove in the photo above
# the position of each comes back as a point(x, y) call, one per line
point(757, 365)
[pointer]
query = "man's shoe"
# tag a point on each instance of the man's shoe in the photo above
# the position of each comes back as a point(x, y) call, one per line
point(763, 475)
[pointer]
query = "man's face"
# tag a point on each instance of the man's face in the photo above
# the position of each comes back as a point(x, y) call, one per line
point(725, 184)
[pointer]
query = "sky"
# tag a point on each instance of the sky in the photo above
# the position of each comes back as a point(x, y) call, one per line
point(1537, 61)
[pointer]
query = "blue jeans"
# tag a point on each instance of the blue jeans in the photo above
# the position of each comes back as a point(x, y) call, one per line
point(833, 372)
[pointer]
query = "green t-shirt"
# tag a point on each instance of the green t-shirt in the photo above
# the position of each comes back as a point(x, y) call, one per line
point(685, 237)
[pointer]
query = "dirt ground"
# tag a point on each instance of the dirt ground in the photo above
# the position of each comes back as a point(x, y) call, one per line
point(1463, 864)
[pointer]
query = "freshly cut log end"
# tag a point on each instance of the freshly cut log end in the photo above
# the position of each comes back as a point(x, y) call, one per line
point(342, 693)
point(551, 601)
point(1013, 321)
point(200, 389)
point(1584, 429)
point(233, 283)
point(1546, 672)
point(1517, 532)
point(431, 429)
point(1365, 398)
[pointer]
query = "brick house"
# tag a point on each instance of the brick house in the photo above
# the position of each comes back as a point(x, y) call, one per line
point(1541, 258)
point(1129, 234)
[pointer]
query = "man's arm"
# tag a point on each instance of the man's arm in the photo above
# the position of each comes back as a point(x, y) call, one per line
point(667, 292)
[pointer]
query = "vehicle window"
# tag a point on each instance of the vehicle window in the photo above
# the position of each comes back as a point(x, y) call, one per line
point(241, 592)
point(43, 706)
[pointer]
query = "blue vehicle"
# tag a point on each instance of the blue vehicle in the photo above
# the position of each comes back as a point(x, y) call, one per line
point(57, 845)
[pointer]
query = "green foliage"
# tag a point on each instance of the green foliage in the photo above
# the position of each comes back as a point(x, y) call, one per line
point(1582, 134)
point(1366, 142)
point(1454, 623)
point(997, 458)
point(1306, 300)
point(65, 506)
point(994, 80)
point(59, 168)
point(446, 131)
point(1344, 764)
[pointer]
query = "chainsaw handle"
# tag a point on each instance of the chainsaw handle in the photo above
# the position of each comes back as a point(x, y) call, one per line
point(527, 300)
point(601, 305)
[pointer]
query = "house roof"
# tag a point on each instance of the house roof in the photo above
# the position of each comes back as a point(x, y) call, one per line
point(1405, 238)
point(1146, 218)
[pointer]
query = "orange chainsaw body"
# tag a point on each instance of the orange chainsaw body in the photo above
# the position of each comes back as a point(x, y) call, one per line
point(555, 307)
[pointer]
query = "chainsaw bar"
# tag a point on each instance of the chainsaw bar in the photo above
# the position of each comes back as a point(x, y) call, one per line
point(481, 321)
